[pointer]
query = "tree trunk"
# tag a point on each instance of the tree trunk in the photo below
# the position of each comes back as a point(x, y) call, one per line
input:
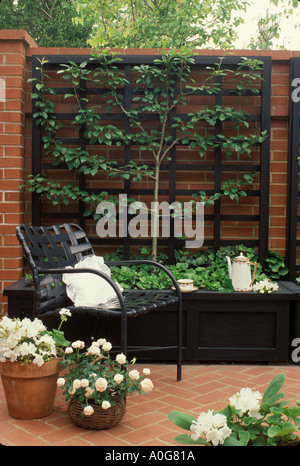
point(154, 213)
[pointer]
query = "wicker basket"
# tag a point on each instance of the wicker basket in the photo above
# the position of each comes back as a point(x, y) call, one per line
point(101, 418)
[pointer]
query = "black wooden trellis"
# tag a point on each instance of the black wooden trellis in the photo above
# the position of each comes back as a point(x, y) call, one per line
point(39, 216)
point(293, 216)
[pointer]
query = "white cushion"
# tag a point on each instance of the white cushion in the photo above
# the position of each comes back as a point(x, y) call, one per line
point(87, 289)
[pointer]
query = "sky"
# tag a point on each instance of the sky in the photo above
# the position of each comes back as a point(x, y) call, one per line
point(289, 37)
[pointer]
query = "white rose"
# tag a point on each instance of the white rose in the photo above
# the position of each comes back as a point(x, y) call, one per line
point(118, 378)
point(76, 384)
point(88, 410)
point(88, 392)
point(84, 383)
point(69, 350)
point(121, 358)
point(107, 346)
point(134, 374)
point(146, 371)
point(147, 385)
point(105, 404)
point(61, 382)
point(101, 384)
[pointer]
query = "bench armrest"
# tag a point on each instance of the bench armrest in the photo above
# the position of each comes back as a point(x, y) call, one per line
point(148, 262)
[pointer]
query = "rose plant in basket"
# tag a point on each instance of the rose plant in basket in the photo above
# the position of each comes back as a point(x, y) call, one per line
point(96, 384)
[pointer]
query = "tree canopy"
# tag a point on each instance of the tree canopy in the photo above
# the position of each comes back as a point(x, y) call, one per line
point(49, 22)
point(162, 23)
point(145, 23)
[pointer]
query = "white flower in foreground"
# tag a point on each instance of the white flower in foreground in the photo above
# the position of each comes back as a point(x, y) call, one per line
point(46, 345)
point(105, 404)
point(30, 329)
point(65, 312)
point(118, 378)
point(88, 392)
point(134, 374)
point(27, 348)
point(107, 346)
point(101, 341)
point(121, 358)
point(61, 382)
point(212, 426)
point(84, 383)
point(11, 355)
point(247, 400)
point(38, 359)
point(101, 384)
point(88, 410)
point(76, 384)
point(78, 344)
point(217, 436)
point(265, 286)
point(93, 350)
point(146, 385)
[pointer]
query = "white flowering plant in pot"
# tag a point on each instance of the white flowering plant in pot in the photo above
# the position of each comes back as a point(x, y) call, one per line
point(29, 341)
point(250, 419)
point(95, 377)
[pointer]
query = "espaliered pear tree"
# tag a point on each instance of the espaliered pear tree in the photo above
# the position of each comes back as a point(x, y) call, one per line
point(158, 90)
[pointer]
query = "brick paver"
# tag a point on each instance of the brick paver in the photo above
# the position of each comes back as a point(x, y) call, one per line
point(146, 421)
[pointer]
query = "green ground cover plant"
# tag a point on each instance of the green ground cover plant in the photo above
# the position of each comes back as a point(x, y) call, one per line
point(209, 270)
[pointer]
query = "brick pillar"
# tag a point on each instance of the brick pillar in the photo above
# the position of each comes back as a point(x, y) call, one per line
point(280, 97)
point(13, 77)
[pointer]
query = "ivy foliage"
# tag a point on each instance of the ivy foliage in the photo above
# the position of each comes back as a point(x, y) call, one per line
point(209, 270)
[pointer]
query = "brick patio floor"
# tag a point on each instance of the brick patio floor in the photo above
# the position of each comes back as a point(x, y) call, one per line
point(146, 421)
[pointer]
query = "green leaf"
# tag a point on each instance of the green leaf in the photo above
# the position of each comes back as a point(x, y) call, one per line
point(186, 440)
point(271, 394)
point(232, 442)
point(276, 431)
point(58, 336)
point(244, 437)
point(181, 419)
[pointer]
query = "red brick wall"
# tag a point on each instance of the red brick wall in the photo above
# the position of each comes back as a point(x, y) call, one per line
point(16, 50)
point(13, 70)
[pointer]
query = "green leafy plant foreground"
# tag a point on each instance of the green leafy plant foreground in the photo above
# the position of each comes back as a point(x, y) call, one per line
point(250, 419)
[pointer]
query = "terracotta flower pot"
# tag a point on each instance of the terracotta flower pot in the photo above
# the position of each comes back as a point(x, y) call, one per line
point(29, 389)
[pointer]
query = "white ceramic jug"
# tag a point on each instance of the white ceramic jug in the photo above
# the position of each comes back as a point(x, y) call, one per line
point(240, 272)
